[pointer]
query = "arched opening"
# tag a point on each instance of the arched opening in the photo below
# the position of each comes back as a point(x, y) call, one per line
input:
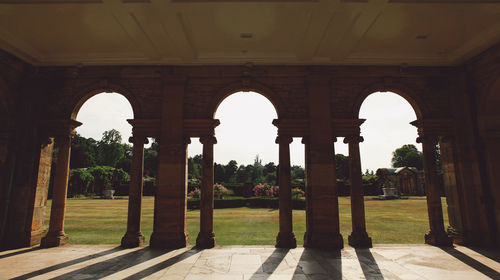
point(393, 170)
point(245, 163)
point(99, 170)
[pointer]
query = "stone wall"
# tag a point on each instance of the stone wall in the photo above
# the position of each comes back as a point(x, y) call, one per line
point(315, 94)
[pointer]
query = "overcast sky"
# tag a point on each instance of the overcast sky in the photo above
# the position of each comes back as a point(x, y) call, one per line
point(246, 128)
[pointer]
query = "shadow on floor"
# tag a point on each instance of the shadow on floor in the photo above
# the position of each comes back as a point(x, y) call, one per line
point(66, 264)
point(323, 263)
point(270, 264)
point(155, 268)
point(368, 264)
point(490, 254)
point(487, 271)
point(18, 252)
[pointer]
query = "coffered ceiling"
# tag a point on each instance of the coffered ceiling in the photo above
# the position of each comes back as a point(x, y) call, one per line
point(201, 32)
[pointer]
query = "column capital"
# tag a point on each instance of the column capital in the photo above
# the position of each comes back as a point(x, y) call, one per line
point(208, 139)
point(353, 139)
point(59, 128)
point(140, 139)
point(281, 139)
point(427, 138)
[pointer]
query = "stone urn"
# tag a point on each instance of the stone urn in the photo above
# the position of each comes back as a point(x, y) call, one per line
point(390, 192)
point(109, 194)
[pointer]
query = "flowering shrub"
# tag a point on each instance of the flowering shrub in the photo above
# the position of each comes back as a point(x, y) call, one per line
point(196, 193)
point(297, 193)
point(220, 191)
point(265, 190)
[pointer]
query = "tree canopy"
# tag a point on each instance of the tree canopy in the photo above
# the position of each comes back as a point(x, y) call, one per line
point(407, 155)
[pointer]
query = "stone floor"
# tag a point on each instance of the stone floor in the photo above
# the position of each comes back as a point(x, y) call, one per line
point(252, 263)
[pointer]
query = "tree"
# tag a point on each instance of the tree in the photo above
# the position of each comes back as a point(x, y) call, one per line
point(342, 166)
point(270, 168)
point(407, 155)
point(257, 170)
point(83, 152)
point(297, 172)
point(110, 150)
point(219, 173)
point(231, 168)
point(111, 136)
point(194, 167)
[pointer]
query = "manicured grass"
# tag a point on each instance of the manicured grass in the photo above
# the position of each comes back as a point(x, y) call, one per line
point(99, 221)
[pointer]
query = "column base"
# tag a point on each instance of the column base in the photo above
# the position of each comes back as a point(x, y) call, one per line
point(438, 239)
point(286, 240)
point(205, 240)
point(36, 237)
point(322, 240)
point(168, 240)
point(132, 240)
point(455, 235)
point(54, 239)
point(360, 239)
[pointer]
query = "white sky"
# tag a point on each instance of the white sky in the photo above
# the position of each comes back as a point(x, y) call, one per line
point(246, 128)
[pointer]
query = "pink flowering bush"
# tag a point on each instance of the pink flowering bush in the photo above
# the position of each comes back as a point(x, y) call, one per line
point(220, 191)
point(266, 190)
point(196, 193)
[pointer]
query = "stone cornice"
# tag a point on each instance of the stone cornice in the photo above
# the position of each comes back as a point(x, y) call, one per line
point(292, 127)
point(434, 127)
point(346, 127)
point(192, 127)
point(53, 128)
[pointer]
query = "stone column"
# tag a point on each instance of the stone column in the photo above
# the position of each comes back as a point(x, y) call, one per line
point(169, 228)
point(56, 236)
point(358, 238)
point(452, 189)
point(323, 226)
point(206, 237)
point(436, 236)
point(41, 190)
point(285, 238)
point(134, 237)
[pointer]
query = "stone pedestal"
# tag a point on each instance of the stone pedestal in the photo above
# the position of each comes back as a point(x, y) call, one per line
point(54, 239)
point(360, 239)
point(205, 240)
point(133, 237)
point(206, 236)
point(323, 240)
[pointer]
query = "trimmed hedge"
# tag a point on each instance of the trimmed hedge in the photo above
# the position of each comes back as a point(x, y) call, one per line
point(253, 202)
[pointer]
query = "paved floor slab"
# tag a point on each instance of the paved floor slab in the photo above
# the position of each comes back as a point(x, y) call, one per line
point(410, 262)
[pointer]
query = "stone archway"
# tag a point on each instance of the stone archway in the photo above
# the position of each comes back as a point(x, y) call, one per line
point(429, 137)
point(63, 131)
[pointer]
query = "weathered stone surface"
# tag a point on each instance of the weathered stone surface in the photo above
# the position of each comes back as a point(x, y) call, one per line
point(317, 98)
point(381, 262)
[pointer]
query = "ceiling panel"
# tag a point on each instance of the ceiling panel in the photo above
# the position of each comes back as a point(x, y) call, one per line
point(380, 32)
point(68, 31)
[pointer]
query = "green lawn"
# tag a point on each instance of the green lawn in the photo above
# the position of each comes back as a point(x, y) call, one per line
point(99, 221)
